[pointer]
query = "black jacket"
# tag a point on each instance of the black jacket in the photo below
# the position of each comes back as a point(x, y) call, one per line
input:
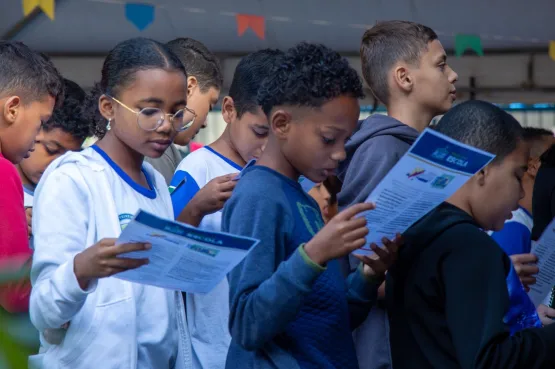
point(447, 295)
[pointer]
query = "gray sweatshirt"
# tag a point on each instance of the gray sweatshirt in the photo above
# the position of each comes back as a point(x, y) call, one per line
point(376, 146)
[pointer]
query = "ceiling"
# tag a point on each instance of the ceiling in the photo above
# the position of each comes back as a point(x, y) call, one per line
point(93, 27)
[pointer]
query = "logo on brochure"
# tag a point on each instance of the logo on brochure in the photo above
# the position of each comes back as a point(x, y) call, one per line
point(440, 154)
point(124, 220)
point(421, 175)
point(204, 250)
point(442, 181)
point(450, 157)
point(312, 218)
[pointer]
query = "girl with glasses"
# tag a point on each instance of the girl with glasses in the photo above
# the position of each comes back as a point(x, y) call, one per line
point(83, 202)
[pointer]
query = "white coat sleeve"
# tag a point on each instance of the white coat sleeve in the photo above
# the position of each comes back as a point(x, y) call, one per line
point(60, 222)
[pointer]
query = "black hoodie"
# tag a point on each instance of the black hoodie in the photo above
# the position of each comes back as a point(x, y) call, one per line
point(446, 298)
point(375, 147)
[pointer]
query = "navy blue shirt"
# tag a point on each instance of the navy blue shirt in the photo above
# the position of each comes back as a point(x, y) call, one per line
point(285, 310)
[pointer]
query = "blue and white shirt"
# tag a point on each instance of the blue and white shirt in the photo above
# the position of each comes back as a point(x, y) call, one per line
point(208, 314)
point(516, 238)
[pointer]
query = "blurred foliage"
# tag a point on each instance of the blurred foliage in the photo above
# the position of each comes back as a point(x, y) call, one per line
point(18, 337)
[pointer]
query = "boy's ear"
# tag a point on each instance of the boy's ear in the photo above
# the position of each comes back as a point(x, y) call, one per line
point(533, 167)
point(480, 177)
point(106, 107)
point(192, 83)
point(280, 123)
point(11, 109)
point(403, 78)
point(228, 110)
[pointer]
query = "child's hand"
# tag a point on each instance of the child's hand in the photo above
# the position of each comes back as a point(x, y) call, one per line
point(208, 199)
point(342, 235)
point(546, 314)
point(101, 260)
point(377, 264)
point(29, 215)
point(526, 269)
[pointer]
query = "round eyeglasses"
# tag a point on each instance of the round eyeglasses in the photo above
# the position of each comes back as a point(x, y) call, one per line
point(150, 119)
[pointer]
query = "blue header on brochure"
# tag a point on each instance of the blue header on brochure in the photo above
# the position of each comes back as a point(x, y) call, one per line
point(446, 152)
point(212, 238)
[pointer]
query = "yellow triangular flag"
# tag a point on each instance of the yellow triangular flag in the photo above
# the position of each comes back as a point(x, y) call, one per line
point(552, 49)
point(47, 6)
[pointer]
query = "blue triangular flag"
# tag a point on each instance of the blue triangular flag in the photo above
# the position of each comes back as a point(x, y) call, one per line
point(140, 15)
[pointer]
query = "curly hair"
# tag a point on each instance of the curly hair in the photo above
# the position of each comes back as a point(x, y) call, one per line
point(309, 75)
point(75, 116)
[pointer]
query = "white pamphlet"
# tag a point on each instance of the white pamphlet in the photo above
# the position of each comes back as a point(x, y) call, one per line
point(182, 257)
point(544, 249)
point(432, 170)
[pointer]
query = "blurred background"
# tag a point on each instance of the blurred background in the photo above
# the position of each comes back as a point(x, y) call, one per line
point(500, 49)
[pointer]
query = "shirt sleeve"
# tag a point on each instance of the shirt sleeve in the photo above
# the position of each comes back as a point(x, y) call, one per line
point(266, 289)
point(362, 294)
point(476, 299)
point(189, 178)
point(514, 238)
point(60, 223)
point(14, 240)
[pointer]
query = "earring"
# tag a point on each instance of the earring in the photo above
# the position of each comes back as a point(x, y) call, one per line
point(109, 125)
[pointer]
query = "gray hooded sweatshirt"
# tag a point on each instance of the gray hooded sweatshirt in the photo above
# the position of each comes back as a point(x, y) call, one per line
point(375, 147)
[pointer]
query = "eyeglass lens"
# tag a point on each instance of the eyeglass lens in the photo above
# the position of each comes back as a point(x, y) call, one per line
point(152, 118)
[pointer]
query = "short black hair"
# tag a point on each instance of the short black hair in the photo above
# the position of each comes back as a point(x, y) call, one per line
point(75, 116)
point(121, 65)
point(199, 62)
point(535, 136)
point(548, 158)
point(248, 77)
point(309, 75)
point(28, 74)
point(483, 126)
point(388, 43)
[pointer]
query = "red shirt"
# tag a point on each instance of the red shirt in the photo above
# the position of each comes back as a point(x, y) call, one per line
point(14, 239)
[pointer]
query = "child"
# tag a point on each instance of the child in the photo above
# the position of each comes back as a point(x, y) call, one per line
point(30, 87)
point(447, 293)
point(208, 181)
point(82, 203)
point(543, 202)
point(290, 307)
point(204, 83)
point(406, 68)
point(516, 240)
point(65, 131)
point(325, 194)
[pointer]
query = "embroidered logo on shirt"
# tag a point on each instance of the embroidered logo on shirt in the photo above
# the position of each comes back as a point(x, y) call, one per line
point(311, 217)
point(124, 220)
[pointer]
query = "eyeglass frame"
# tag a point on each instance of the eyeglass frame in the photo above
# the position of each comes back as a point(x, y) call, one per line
point(171, 116)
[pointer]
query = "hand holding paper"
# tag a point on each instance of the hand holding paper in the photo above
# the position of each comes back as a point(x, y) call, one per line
point(342, 235)
point(103, 260)
point(182, 257)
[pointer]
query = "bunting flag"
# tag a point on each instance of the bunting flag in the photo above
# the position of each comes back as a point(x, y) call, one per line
point(552, 50)
point(140, 15)
point(465, 42)
point(47, 6)
point(255, 22)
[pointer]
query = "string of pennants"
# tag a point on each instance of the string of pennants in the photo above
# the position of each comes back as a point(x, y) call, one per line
point(142, 15)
